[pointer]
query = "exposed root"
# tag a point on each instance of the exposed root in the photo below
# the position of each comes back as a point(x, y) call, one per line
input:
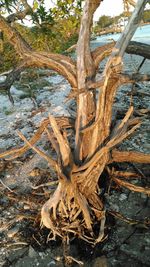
point(68, 212)
point(75, 208)
point(70, 260)
point(114, 177)
point(101, 231)
point(131, 187)
point(5, 186)
point(129, 156)
point(51, 204)
point(144, 223)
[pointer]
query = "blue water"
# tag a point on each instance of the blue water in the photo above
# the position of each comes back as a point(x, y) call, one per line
point(142, 35)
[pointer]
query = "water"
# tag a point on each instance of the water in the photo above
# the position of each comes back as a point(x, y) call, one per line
point(142, 35)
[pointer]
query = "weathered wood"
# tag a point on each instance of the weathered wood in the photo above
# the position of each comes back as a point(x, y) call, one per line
point(20, 15)
point(103, 118)
point(138, 48)
point(85, 75)
point(63, 122)
point(64, 148)
point(129, 156)
point(133, 47)
point(51, 162)
point(131, 187)
point(123, 78)
point(76, 198)
point(13, 76)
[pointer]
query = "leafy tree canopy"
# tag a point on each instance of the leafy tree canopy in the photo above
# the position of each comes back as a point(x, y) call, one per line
point(51, 25)
point(39, 13)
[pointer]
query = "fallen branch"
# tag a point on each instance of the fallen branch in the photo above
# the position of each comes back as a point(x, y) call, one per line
point(138, 48)
point(135, 48)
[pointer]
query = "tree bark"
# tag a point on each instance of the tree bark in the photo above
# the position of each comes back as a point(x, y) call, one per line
point(129, 156)
point(86, 73)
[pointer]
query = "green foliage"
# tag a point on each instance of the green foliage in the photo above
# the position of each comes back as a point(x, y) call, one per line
point(67, 9)
point(8, 57)
point(105, 21)
point(54, 30)
point(146, 16)
point(42, 15)
point(125, 14)
point(8, 5)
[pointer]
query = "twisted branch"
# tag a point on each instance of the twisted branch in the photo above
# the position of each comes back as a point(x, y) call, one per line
point(62, 64)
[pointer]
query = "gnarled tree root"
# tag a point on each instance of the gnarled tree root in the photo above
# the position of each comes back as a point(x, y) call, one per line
point(68, 213)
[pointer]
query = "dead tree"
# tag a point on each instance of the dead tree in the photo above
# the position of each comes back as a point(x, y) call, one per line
point(75, 207)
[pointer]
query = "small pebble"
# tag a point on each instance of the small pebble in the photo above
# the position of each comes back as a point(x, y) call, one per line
point(51, 263)
point(26, 207)
point(122, 197)
point(143, 196)
point(32, 253)
point(12, 232)
point(115, 207)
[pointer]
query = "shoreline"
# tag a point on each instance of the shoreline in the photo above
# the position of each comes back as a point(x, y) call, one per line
point(119, 29)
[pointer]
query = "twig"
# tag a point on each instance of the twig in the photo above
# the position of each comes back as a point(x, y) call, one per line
point(46, 184)
point(37, 150)
point(16, 244)
point(132, 186)
point(71, 259)
point(36, 240)
point(7, 187)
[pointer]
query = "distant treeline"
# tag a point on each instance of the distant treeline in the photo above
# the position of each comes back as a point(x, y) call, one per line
point(108, 21)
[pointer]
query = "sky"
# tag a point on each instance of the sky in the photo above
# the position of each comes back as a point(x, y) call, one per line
point(109, 8)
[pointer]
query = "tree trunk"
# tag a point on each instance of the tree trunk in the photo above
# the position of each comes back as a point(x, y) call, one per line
point(85, 76)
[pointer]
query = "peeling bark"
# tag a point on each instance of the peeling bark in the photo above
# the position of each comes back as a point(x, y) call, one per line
point(85, 75)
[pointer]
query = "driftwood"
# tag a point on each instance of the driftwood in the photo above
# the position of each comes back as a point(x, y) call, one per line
point(138, 48)
point(75, 207)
